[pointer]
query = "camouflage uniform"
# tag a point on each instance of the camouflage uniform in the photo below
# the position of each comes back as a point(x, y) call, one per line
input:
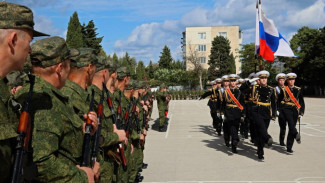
point(53, 120)
point(13, 16)
point(162, 106)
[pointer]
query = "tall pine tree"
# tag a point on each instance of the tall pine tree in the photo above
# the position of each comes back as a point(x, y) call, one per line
point(74, 33)
point(90, 37)
point(221, 60)
point(166, 59)
point(115, 59)
point(140, 71)
point(150, 70)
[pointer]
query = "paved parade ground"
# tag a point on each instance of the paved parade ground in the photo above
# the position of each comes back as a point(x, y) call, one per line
point(191, 152)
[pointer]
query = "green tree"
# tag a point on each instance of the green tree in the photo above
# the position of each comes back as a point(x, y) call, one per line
point(115, 59)
point(309, 44)
point(130, 63)
point(166, 59)
point(140, 71)
point(90, 38)
point(150, 70)
point(221, 60)
point(74, 33)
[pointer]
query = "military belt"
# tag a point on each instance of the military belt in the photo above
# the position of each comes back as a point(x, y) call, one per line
point(262, 103)
point(232, 105)
point(288, 103)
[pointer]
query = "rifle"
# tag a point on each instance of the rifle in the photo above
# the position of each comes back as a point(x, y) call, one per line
point(24, 132)
point(118, 126)
point(87, 136)
point(98, 132)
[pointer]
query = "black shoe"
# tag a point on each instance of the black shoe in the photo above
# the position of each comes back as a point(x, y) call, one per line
point(219, 133)
point(298, 138)
point(234, 149)
point(282, 144)
point(144, 165)
point(270, 142)
point(162, 129)
point(227, 144)
point(289, 150)
point(261, 157)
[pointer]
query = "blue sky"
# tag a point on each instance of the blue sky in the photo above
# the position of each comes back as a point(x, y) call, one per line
point(143, 27)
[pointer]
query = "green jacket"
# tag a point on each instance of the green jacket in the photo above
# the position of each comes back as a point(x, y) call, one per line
point(161, 100)
point(109, 137)
point(8, 127)
point(79, 98)
point(56, 136)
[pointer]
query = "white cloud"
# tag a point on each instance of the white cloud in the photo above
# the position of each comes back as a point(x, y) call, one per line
point(147, 40)
point(44, 24)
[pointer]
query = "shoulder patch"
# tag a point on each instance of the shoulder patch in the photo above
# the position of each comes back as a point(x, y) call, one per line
point(297, 87)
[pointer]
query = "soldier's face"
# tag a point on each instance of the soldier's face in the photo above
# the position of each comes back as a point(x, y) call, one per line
point(291, 82)
point(263, 81)
point(233, 83)
point(226, 83)
point(23, 49)
point(218, 85)
point(281, 82)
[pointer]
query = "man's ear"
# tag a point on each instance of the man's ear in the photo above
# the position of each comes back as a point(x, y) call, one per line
point(12, 40)
point(59, 69)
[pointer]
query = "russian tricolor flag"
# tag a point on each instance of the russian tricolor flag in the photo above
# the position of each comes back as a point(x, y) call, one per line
point(269, 42)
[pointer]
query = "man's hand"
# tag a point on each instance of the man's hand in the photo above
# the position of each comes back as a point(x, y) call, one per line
point(142, 102)
point(141, 137)
point(300, 117)
point(253, 80)
point(137, 109)
point(223, 117)
point(277, 113)
point(218, 115)
point(89, 172)
point(132, 148)
point(96, 170)
point(145, 108)
point(242, 119)
point(94, 123)
point(144, 132)
point(121, 135)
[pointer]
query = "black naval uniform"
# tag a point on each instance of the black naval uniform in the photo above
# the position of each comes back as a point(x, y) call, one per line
point(215, 104)
point(281, 118)
point(290, 113)
point(233, 116)
point(262, 112)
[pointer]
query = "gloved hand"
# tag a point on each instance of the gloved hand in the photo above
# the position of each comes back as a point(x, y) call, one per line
point(277, 113)
point(242, 119)
point(218, 115)
point(300, 116)
point(223, 117)
point(253, 80)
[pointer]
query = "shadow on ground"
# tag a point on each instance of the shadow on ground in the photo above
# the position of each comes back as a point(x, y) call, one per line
point(246, 149)
point(155, 125)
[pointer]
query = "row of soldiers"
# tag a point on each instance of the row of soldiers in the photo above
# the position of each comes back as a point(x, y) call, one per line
point(250, 104)
point(185, 94)
point(79, 117)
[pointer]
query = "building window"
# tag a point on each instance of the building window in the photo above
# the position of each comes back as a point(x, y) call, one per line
point(202, 48)
point(202, 35)
point(202, 60)
point(223, 34)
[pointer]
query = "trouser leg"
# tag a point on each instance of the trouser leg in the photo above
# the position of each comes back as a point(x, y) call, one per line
point(291, 118)
point(282, 124)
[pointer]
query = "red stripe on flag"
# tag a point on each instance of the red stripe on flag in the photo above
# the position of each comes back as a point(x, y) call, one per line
point(265, 51)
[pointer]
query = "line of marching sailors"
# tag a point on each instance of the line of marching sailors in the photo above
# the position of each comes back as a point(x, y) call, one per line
point(249, 105)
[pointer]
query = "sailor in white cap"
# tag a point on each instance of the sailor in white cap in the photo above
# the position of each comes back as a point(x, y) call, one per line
point(264, 98)
point(293, 108)
point(240, 81)
point(215, 104)
point(280, 78)
point(233, 110)
point(225, 83)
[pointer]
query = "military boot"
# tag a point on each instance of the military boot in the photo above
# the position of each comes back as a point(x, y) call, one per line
point(282, 136)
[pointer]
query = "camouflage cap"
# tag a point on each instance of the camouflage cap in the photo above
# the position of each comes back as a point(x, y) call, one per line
point(15, 16)
point(102, 63)
point(82, 57)
point(133, 84)
point(112, 67)
point(162, 86)
point(123, 72)
point(142, 85)
point(49, 51)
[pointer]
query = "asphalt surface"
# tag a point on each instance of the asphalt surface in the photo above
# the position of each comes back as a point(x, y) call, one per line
point(191, 152)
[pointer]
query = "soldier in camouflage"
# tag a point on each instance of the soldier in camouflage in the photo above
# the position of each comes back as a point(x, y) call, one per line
point(53, 118)
point(16, 33)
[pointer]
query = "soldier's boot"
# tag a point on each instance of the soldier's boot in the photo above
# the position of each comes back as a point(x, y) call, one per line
point(282, 136)
point(234, 146)
point(138, 178)
point(298, 138)
point(144, 165)
point(270, 141)
point(227, 141)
